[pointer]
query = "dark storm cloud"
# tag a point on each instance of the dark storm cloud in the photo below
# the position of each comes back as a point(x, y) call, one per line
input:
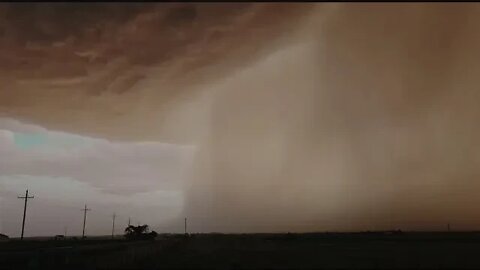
point(98, 49)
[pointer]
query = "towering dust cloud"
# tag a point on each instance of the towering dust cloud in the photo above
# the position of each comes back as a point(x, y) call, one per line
point(365, 122)
point(304, 117)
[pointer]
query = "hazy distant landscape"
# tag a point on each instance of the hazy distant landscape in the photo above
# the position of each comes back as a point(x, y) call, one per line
point(417, 250)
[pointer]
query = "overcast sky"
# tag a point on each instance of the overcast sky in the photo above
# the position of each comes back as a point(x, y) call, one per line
point(242, 117)
point(144, 181)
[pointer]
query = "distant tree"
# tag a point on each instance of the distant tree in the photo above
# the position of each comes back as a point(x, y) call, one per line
point(4, 238)
point(141, 232)
point(153, 234)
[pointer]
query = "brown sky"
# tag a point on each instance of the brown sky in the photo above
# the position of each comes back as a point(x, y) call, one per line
point(89, 56)
point(303, 116)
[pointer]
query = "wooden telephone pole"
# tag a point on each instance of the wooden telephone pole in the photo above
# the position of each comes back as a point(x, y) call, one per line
point(113, 225)
point(24, 211)
point(84, 219)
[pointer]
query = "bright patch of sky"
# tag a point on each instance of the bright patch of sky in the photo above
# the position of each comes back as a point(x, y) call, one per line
point(145, 180)
point(25, 140)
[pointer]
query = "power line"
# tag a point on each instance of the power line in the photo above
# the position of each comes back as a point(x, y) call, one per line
point(24, 211)
point(84, 219)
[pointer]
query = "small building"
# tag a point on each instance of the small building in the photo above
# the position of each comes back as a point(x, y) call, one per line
point(59, 237)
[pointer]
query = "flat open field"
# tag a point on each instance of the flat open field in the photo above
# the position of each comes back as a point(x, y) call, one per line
point(251, 251)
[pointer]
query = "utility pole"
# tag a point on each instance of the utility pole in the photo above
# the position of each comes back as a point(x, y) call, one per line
point(185, 226)
point(128, 221)
point(113, 225)
point(65, 235)
point(24, 211)
point(84, 219)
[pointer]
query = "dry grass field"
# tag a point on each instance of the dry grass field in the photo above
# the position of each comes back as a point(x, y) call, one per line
point(251, 251)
